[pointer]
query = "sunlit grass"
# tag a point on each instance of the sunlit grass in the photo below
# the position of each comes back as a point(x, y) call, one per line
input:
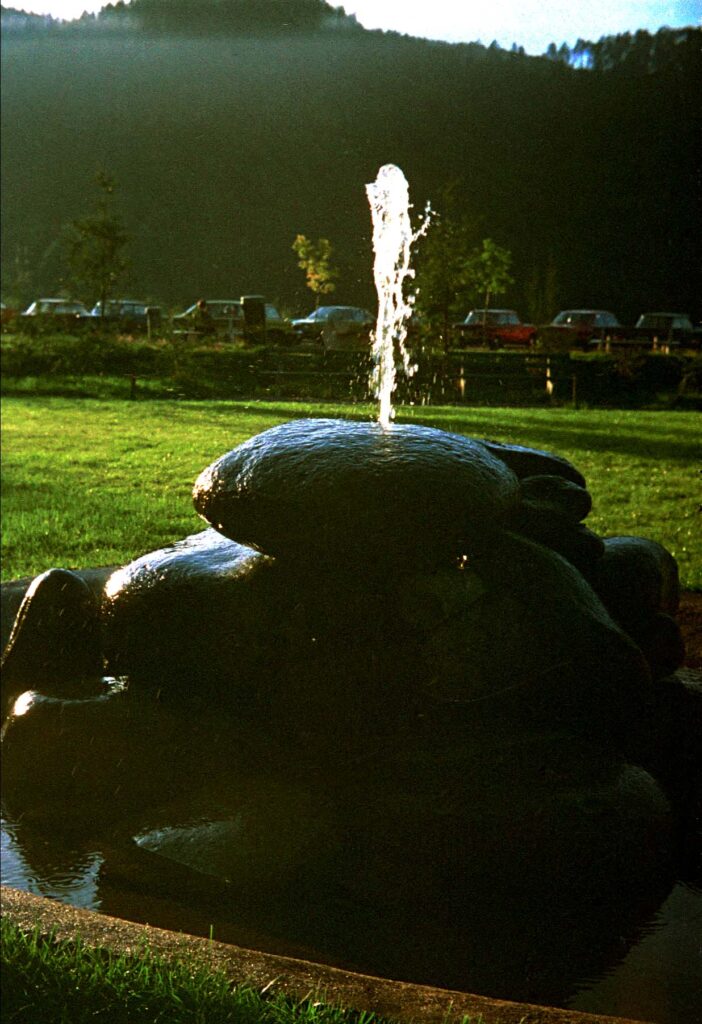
point(88, 482)
point(49, 982)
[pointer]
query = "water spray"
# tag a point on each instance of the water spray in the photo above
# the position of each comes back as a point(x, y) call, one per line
point(389, 201)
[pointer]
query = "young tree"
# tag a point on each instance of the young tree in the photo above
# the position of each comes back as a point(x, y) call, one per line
point(455, 268)
point(315, 259)
point(487, 271)
point(442, 277)
point(96, 245)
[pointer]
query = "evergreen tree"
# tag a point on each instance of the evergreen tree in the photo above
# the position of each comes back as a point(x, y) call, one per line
point(541, 292)
point(96, 246)
point(230, 15)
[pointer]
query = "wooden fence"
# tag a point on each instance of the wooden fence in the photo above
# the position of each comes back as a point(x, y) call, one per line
point(456, 377)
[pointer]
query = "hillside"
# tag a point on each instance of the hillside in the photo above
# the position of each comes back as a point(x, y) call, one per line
point(225, 145)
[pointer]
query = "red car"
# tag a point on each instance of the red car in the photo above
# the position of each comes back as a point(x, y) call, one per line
point(581, 328)
point(495, 328)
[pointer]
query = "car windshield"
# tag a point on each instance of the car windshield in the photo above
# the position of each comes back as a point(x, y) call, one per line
point(58, 307)
point(574, 317)
point(327, 313)
point(217, 308)
point(223, 308)
point(492, 316)
point(334, 313)
point(116, 307)
point(664, 321)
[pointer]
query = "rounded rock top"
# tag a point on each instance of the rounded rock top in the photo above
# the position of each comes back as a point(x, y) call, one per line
point(331, 488)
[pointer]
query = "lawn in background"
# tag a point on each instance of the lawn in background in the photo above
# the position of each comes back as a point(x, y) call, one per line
point(88, 482)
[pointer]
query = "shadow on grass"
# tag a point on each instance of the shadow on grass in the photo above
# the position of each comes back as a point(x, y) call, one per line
point(582, 437)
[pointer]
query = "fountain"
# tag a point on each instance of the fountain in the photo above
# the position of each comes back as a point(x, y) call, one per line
point(388, 196)
point(395, 708)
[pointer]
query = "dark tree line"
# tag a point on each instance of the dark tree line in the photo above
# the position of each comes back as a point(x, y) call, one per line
point(198, 16)
point(638, 53)
point(185, 16)
point(227, 147)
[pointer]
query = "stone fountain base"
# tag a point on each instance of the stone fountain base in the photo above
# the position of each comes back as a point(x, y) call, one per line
point(396, 698)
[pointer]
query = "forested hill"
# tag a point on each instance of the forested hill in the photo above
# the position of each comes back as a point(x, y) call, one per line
point(226, 141)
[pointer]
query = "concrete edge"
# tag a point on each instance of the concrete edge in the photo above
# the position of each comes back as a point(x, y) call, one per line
point(401, 1001)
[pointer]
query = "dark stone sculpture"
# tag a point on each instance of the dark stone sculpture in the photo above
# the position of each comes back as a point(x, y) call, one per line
point(402, 652)
point(54, 638)
point(330, 490)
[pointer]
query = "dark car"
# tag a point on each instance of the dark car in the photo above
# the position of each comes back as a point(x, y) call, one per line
point(56, 314)
point(580, 328)
point(127, 314)
point(227, 318)
point(336, 327)
point(668, 329)
point(495, 328)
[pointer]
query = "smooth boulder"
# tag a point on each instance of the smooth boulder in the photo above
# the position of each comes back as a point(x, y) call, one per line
point(196, 611)
point(333, 490)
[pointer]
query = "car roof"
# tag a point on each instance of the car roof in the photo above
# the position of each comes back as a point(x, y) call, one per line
point(58, 302)
point(338, 307)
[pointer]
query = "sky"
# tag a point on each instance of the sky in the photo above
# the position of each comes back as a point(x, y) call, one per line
point(532, 24)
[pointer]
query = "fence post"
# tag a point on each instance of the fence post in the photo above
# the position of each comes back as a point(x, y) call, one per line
point(574, 391)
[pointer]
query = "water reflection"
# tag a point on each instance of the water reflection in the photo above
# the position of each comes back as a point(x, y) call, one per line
point(39, 865)
point(399, 849)
point(657, 979)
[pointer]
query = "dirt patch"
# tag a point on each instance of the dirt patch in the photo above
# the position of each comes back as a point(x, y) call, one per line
point(690, 621)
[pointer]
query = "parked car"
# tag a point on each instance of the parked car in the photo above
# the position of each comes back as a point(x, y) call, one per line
point(336, 327)
point(495, 328)
point(127, 314)
point(580, 328)
point(668, 329)
point(228, 319)
point(56, 314)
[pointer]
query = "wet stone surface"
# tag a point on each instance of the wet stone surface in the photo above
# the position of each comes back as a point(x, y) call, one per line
point(395, 698)
point(329, 489)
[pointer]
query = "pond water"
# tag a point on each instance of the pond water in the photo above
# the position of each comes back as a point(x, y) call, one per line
point(652, 974)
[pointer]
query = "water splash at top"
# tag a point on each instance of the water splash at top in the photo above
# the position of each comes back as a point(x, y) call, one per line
point(389, 201)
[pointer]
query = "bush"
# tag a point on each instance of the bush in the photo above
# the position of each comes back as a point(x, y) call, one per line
point(37, 355)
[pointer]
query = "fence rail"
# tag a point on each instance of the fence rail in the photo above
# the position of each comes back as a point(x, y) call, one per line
point(452, 377)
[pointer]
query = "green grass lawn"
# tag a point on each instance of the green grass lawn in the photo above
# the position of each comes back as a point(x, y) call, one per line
point(91, 482)
point(49, 982)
